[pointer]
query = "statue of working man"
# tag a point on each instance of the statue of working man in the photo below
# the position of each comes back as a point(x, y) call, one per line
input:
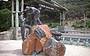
point(31, 17)
point(35, 15)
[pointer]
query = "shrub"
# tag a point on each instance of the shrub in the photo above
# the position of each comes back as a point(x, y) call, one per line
point(5, 19)
point(88, 23)
point(53, 25)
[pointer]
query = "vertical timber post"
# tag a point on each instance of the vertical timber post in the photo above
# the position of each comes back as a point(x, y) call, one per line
point(12, 13)
point(16, 18)
point(60, 19)
point(84, 20)
point(13, 28)
point(21, 16)
point(85, 26)
point(63, 18)
point(22, 7)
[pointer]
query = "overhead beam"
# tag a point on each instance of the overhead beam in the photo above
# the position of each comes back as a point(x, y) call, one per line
point(46, 7)
point(3, 0)
point(51, 5)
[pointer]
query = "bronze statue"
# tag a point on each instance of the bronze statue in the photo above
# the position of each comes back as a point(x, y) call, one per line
point(40, 38)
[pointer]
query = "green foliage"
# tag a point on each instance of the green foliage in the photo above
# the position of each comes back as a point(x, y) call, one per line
point(4, 5)
point(5, 19)
point(81, 24)
point(78, 24)
point(79, 7)
point(88, 23)
point(53, 25)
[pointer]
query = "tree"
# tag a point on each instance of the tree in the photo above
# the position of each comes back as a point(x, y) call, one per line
point(5, 19)
point(76, 6)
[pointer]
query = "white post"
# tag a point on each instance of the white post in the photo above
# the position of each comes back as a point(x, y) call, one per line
point(13, 29)
point(63, 39)
point(22, 7)
point(78, 41)
point(70, 40)
point(12, 13)
point(21, 16)
point(17, 19)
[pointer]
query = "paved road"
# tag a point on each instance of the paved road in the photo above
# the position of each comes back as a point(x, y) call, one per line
point(10, 48)
point(13, 48)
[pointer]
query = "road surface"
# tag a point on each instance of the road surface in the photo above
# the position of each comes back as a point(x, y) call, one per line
point(13, 48)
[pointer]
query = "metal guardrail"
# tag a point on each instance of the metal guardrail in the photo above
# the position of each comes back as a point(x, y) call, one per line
point(75, 37)
point(70, 30)
point(72, 40)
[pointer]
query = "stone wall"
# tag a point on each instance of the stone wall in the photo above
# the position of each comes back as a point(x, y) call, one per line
point(6, 35)
point(10, 34)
